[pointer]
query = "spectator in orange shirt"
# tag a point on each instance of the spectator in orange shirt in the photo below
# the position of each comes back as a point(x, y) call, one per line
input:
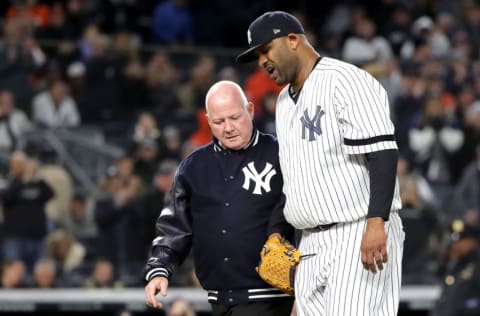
point(38, 14)
point(202, 135)
point(257, 86)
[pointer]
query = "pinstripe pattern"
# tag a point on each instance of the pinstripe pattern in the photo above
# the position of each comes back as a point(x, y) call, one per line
point(326, 180)
point(337, 283)
point(341, 113)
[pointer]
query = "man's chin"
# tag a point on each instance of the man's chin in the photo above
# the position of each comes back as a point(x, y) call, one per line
point(233, 144)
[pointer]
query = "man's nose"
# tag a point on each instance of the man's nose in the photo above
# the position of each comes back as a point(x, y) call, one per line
point(228, 126)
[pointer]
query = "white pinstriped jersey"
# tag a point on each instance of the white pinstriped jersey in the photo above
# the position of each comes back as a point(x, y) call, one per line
point(341, 113)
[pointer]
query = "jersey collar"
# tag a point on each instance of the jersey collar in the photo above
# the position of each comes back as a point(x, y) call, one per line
point(294, 94)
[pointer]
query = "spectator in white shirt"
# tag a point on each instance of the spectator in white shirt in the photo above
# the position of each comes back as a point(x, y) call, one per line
point(55, 108)
point(13, 123)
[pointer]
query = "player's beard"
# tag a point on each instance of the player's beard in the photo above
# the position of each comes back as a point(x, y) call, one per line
point(287, 72)
point(278, 77)
point(284, 77)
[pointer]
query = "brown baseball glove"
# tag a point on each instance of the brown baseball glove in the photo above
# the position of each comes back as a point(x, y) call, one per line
point(278, 261)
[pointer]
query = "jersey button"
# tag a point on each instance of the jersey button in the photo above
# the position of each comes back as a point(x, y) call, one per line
point(224, 231)
point(225, 259)
point(230, 300)
point(227, 204)
point(232, 177)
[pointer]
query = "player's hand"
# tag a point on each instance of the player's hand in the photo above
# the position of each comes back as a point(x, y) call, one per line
point(374, 245)
point(155, 286)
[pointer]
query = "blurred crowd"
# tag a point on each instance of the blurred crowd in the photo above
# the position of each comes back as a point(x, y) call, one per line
point(138, 71)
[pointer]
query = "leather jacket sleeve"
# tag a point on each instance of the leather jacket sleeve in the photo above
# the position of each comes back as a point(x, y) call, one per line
point(174, 233)
point(277, 222)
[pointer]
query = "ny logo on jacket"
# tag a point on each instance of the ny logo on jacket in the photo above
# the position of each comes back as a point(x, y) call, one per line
point(262, 179)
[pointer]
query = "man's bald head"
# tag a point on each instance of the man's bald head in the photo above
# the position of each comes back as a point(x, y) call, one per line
point(229, 114)
point(224, 90)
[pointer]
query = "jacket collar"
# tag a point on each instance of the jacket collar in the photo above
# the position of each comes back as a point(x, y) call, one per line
point(217, 145)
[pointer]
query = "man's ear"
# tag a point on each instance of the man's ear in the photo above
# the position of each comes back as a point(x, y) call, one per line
point(250, 109)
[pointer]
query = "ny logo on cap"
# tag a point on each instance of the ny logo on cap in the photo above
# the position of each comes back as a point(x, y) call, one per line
point(249, 37)
point(276, 31)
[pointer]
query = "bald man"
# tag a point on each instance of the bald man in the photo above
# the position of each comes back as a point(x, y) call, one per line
point(226, 200)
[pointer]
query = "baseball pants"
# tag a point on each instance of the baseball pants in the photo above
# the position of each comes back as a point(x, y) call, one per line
point(335, 283)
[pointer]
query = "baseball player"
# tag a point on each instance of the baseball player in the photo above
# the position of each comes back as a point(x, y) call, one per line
point(226, 200)
point(338, 157)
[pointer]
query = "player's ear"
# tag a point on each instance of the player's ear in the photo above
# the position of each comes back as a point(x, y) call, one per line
point(293, 40)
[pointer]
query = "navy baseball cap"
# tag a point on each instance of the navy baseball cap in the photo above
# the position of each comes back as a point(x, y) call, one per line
point(267, 27)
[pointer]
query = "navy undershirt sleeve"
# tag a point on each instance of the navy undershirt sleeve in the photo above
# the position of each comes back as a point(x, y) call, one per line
point(382, 166)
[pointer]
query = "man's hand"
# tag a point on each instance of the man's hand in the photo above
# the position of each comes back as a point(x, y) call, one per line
point(374, 245)
point(156, 285)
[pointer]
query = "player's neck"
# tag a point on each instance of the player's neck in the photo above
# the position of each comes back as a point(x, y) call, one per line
point(305, 70)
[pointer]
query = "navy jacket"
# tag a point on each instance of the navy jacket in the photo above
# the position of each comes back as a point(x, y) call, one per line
point(223, 205)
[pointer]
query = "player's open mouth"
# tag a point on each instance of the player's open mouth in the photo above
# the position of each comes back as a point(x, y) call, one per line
point(271, 72)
